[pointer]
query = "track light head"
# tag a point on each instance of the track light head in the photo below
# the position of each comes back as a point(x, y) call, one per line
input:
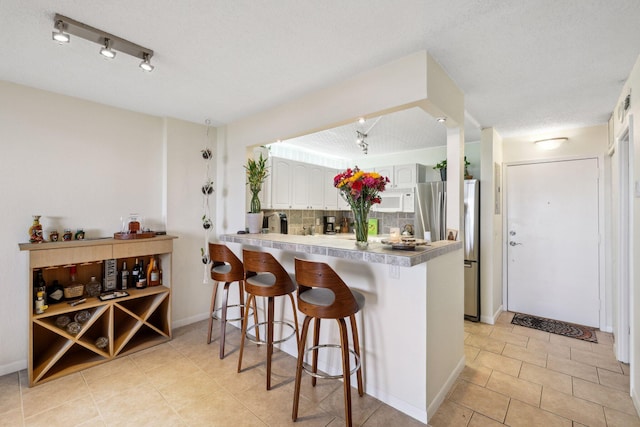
point(106, 50)
point(146, 64)
point(59, 35)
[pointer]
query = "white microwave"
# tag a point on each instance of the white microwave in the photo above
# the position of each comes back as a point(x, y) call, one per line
point(396, 201)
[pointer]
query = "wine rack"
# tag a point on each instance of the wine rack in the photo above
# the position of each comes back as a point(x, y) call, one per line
point(131, 323)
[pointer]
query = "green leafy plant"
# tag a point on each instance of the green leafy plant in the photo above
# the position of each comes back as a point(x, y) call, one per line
point(443, 164)
point(256, 174)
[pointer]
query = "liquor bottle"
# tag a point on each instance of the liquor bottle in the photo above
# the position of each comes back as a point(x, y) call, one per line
point(142, 277)
point(40, 305)
point(124, 276)
point(134, 274)
point(154, 276)
point(40, 286)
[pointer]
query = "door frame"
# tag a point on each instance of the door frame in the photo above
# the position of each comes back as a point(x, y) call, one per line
point(605, 304)
point(623, 222)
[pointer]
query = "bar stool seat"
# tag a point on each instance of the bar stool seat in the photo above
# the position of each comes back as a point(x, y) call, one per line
point(266, 277)
point(322, 294)
point(225, 268)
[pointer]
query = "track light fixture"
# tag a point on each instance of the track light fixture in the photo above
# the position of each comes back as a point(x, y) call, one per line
point(145, 64)
point(106, 50)
point(109, 43)
point(59, 35)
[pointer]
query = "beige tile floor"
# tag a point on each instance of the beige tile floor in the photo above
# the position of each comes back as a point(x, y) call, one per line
point(184, 383)
point(514, 376)
point(517, 376)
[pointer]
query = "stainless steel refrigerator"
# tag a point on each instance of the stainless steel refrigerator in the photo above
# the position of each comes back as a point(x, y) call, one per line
point(430, 215)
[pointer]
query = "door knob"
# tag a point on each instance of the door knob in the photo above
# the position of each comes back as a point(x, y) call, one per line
point(512, 243)
point(512, 233)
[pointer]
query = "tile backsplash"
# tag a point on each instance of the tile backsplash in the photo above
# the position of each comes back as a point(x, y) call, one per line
point(302, 221)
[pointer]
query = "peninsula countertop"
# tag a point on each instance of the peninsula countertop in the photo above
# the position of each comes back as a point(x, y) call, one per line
point(344, 246)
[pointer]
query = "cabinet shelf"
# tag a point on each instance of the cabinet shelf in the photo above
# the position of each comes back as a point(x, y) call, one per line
point(129, 324)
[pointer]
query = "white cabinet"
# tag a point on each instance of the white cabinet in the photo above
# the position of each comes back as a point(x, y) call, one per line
point(330, 192)
point(281, 172)
point(403, 176)
point(307, 188)
point(297, 185)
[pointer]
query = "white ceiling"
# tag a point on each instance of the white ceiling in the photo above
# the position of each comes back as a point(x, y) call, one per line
point(525, 67)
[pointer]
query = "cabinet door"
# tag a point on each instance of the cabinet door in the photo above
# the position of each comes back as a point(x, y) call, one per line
point(404, 176)
point(330, 192)
point(388, 172)
point(315, 187)
point(299, 186)
point(281, 184)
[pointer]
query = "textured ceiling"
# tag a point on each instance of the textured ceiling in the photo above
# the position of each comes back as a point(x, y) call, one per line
point(525, 67)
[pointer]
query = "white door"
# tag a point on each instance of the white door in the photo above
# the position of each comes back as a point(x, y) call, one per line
point(552, 240)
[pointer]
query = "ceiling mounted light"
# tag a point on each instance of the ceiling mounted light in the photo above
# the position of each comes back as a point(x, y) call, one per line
point(145, 64)
point(551, 143)
point(361, 120)
point(106, 50)
point(59, 35)
point(441, 119)
point(65, 27)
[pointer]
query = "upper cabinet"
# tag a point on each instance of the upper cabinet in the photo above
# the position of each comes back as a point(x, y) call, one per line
point(297, 185)
point(330, 192)
point(403, 176)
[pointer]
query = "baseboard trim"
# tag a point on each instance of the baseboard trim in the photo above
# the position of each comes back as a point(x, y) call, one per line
point(491, 320)
point(442, 394)
point(12, 367)
point(400, 405)
point(189, 320)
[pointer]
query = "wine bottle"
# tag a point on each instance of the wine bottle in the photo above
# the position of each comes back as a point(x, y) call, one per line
point(124, 276)
point(134, 274)
point(154, 276)
point(40, 286)
point(142, 277)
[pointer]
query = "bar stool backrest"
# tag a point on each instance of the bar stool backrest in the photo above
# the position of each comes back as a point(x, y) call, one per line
point(221, 255)
point(311, 275)
point(256, 263)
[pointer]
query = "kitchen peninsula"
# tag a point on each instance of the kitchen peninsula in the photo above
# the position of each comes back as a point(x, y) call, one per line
point(412, 324)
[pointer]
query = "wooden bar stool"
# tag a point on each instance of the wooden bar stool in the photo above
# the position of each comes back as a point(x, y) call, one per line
point(265, 277)
point(323, 295)
point(225, 268)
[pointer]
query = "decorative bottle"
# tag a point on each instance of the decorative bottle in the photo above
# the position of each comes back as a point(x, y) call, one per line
point(124, 276)
point(40, 305)
point(93, 288)
point(134, 274)
point(142, 277)
point(40, 286)
point(35, 231)
point(154, 276)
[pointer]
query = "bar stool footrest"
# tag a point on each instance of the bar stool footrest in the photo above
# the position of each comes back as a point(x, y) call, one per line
point(254, 340)
point(308, 369)
point(236, 319)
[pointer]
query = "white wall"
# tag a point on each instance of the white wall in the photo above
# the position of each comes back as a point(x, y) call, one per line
point(80, 164)
point(633, 86)
point(490, 226)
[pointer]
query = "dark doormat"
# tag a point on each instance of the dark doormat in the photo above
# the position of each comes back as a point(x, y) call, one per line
point(570, 330)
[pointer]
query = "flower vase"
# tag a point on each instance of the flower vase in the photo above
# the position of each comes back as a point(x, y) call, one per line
point(361, 226)
point(35, 231)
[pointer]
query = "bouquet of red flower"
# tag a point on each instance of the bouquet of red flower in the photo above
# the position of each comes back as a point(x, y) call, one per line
point(360, 190)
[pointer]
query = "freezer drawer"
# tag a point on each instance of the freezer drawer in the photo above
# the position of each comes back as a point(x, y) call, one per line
point(471, 291)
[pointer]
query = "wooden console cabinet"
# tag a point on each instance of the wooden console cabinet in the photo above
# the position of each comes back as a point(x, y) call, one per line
point(130, 323)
